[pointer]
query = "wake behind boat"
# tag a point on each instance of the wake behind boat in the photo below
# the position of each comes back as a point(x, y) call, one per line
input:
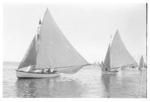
point(50, 53)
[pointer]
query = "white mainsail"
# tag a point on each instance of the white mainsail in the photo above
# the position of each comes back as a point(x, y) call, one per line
point(30, 57)
point(117, 54)
point(107, 63)
point(54, 50)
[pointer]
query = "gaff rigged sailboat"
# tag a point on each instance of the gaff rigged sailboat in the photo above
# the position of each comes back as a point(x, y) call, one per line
point(50, 53)
point(117, 56)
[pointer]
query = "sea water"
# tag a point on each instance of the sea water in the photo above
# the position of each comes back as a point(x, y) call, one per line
point(87, 82)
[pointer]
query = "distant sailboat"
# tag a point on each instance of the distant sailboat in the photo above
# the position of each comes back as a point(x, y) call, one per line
point(141, 63)
point(50, 53)
point(117, 56)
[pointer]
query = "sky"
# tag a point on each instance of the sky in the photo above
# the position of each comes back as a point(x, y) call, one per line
point(88, 27)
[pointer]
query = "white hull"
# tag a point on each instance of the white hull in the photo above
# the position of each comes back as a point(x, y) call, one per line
point(112, 71)
point(29, 75)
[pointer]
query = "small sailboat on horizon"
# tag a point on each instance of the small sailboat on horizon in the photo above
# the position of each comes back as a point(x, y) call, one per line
point(117, 56)
point(50, 53)
point(142, 64)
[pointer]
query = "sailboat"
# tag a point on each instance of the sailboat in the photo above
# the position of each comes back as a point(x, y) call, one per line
point(117, 56)
point(141, 63)
point(49, 53)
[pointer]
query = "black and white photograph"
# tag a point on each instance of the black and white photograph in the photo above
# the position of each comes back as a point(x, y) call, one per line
point(75, 50)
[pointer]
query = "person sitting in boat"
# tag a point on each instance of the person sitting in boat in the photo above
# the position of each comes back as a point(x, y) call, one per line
point(106, 69)
point(50, 70)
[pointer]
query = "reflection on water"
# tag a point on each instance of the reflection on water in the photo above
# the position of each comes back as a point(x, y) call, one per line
point(126, 83)
point(106, 81)
point(88, 82)
point(47, 88)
